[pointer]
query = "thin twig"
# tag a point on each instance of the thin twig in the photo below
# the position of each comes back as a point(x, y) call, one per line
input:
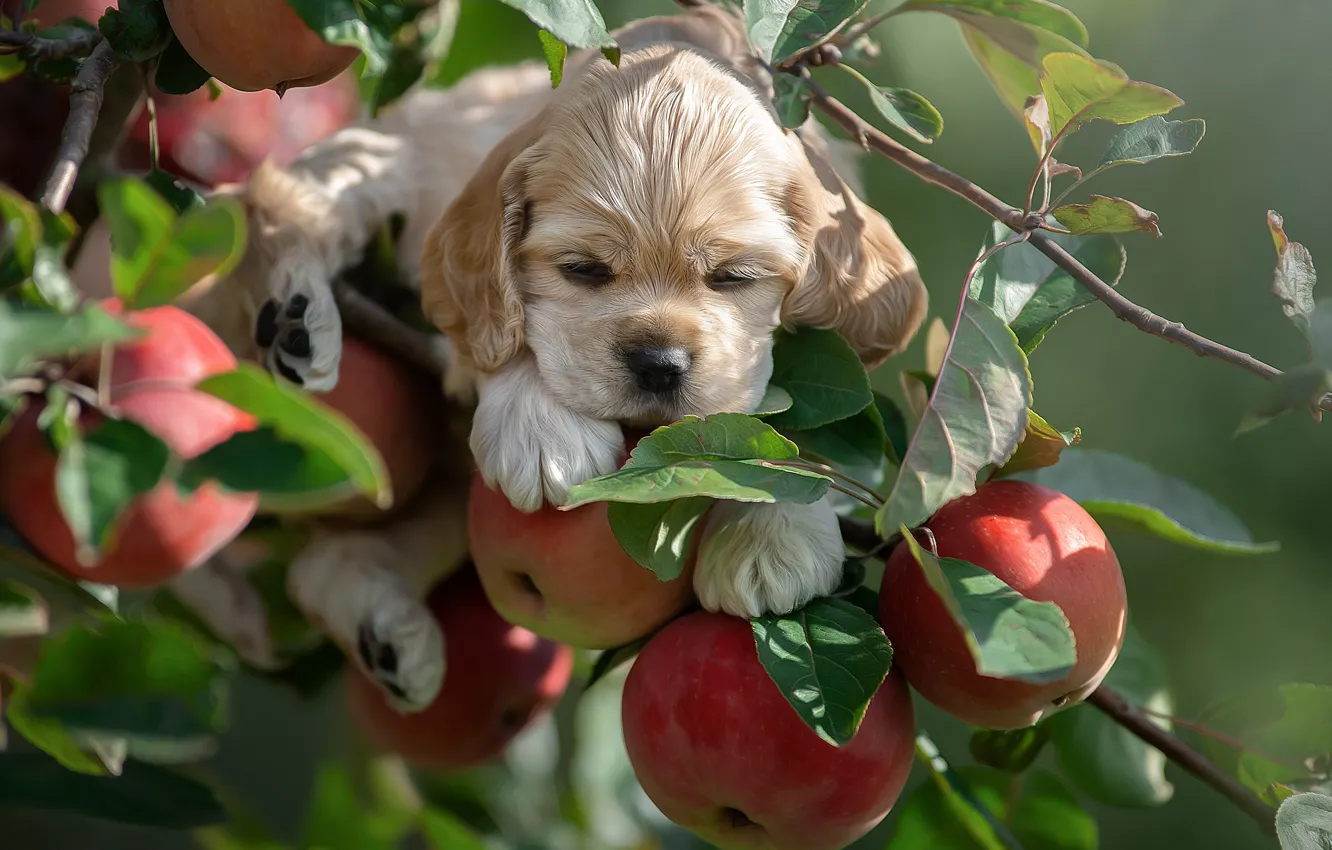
point(1136, 721)
point(854, 32)
point(85, 104)
point(1140, 317)
point(33, 47)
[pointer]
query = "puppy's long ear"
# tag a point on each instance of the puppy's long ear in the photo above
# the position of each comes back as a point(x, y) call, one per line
point(861, 280)
point(468, 268)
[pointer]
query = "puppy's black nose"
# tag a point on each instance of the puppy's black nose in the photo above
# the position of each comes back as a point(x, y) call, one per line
point(659, 370)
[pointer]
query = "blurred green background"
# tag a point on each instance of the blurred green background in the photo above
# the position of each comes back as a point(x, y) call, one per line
point(1222, 624)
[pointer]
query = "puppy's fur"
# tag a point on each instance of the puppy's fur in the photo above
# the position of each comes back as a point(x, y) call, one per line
point(557, 236)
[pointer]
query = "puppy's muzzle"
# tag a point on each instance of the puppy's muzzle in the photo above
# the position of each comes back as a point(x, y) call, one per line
point(658, 370)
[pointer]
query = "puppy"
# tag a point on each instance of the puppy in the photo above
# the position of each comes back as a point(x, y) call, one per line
point(620, 249)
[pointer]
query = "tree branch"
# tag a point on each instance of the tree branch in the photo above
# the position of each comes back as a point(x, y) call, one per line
point(1139, 723)
point(33, 47)
point(85, 104)
point(1140, 317)
point(371, 323)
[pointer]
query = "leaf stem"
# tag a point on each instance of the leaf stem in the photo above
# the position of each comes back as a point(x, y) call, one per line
point(1209, 732)
point(943, 773)
point(833, 472)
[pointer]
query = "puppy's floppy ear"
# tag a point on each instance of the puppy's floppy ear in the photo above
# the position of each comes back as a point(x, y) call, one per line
point(860, 279)
point(468, 268)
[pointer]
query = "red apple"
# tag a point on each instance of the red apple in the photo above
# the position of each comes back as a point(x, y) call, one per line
point(721, 752)
point(498, 678)
point(563, 574)
point(1045, 546)
point(256, 44)
point(396, 408)
point(162, 534)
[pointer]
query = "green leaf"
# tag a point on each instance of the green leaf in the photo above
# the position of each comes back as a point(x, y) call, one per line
point(19, 240)
point(1038, 13)
point(1011, 751)
point(906, 110)
point(1009, 636)
point(98, 476)
point(154, 683)
point(1009, 53)
point(827, 659)
point(1113, 487)
point(577, 23)
point(556, 52)
point(1301, 388)
point(976, 416)
point(50, 736)
point(406, 64)
point(857, 446)
point(1041, 446)
point(1304, 822)
point(138, 30)
point(338, 820)
point(49, 275)
point(63, 597)
point(1152, 139)
point(1295, 277)
point(775, 400)
point(779, 29)
point(261, 461)
point(350, 23)
point(726, 456)
point(443, 831)
point(143, 795)
point(177, 73)
point(1037, 813)
point(181, 197)
point(894, 425)
point(658, 535)
point(1287, 735)
point(22, 613)
point(297, 417)
point(1104, 760)
point(824, 376)
point(157, 256)
point(1106, 215)
point(1079, 89)
point(791, 98)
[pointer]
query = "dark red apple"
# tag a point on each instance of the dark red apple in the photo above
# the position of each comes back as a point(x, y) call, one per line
point(1045, 546)
point(721, 752)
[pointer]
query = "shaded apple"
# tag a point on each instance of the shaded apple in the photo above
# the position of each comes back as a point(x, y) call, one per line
point(498, 678)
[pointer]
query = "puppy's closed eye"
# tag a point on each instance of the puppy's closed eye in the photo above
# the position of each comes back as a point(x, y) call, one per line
point(731, 277)
point(587, 272)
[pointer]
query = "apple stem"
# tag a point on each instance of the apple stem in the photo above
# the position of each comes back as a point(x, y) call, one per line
point(1137, 721)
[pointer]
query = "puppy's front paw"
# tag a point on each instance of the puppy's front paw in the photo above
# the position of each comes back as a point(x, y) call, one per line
point(534, 449)
point(300, 333)
point(347, 584)
point(759, 558)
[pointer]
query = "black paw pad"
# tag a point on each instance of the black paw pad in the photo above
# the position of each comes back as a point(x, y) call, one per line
point(266, 326)
point(296, 307)
point(296, 342)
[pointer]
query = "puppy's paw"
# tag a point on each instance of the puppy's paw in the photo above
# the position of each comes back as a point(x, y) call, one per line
point(534, 449)
point(220, 595)
point(299, 331)
point(347, 584)
point(759, 558)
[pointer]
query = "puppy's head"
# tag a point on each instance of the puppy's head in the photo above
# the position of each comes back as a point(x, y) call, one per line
point(644, 236)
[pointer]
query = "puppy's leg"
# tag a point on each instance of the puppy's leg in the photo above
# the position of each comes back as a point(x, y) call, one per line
point(219, 594)
point(367, 589)
point(760, 558)
point(308, 222)
point(529, 445)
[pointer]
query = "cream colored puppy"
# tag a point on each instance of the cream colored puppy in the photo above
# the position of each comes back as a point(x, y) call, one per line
point(620, 249)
